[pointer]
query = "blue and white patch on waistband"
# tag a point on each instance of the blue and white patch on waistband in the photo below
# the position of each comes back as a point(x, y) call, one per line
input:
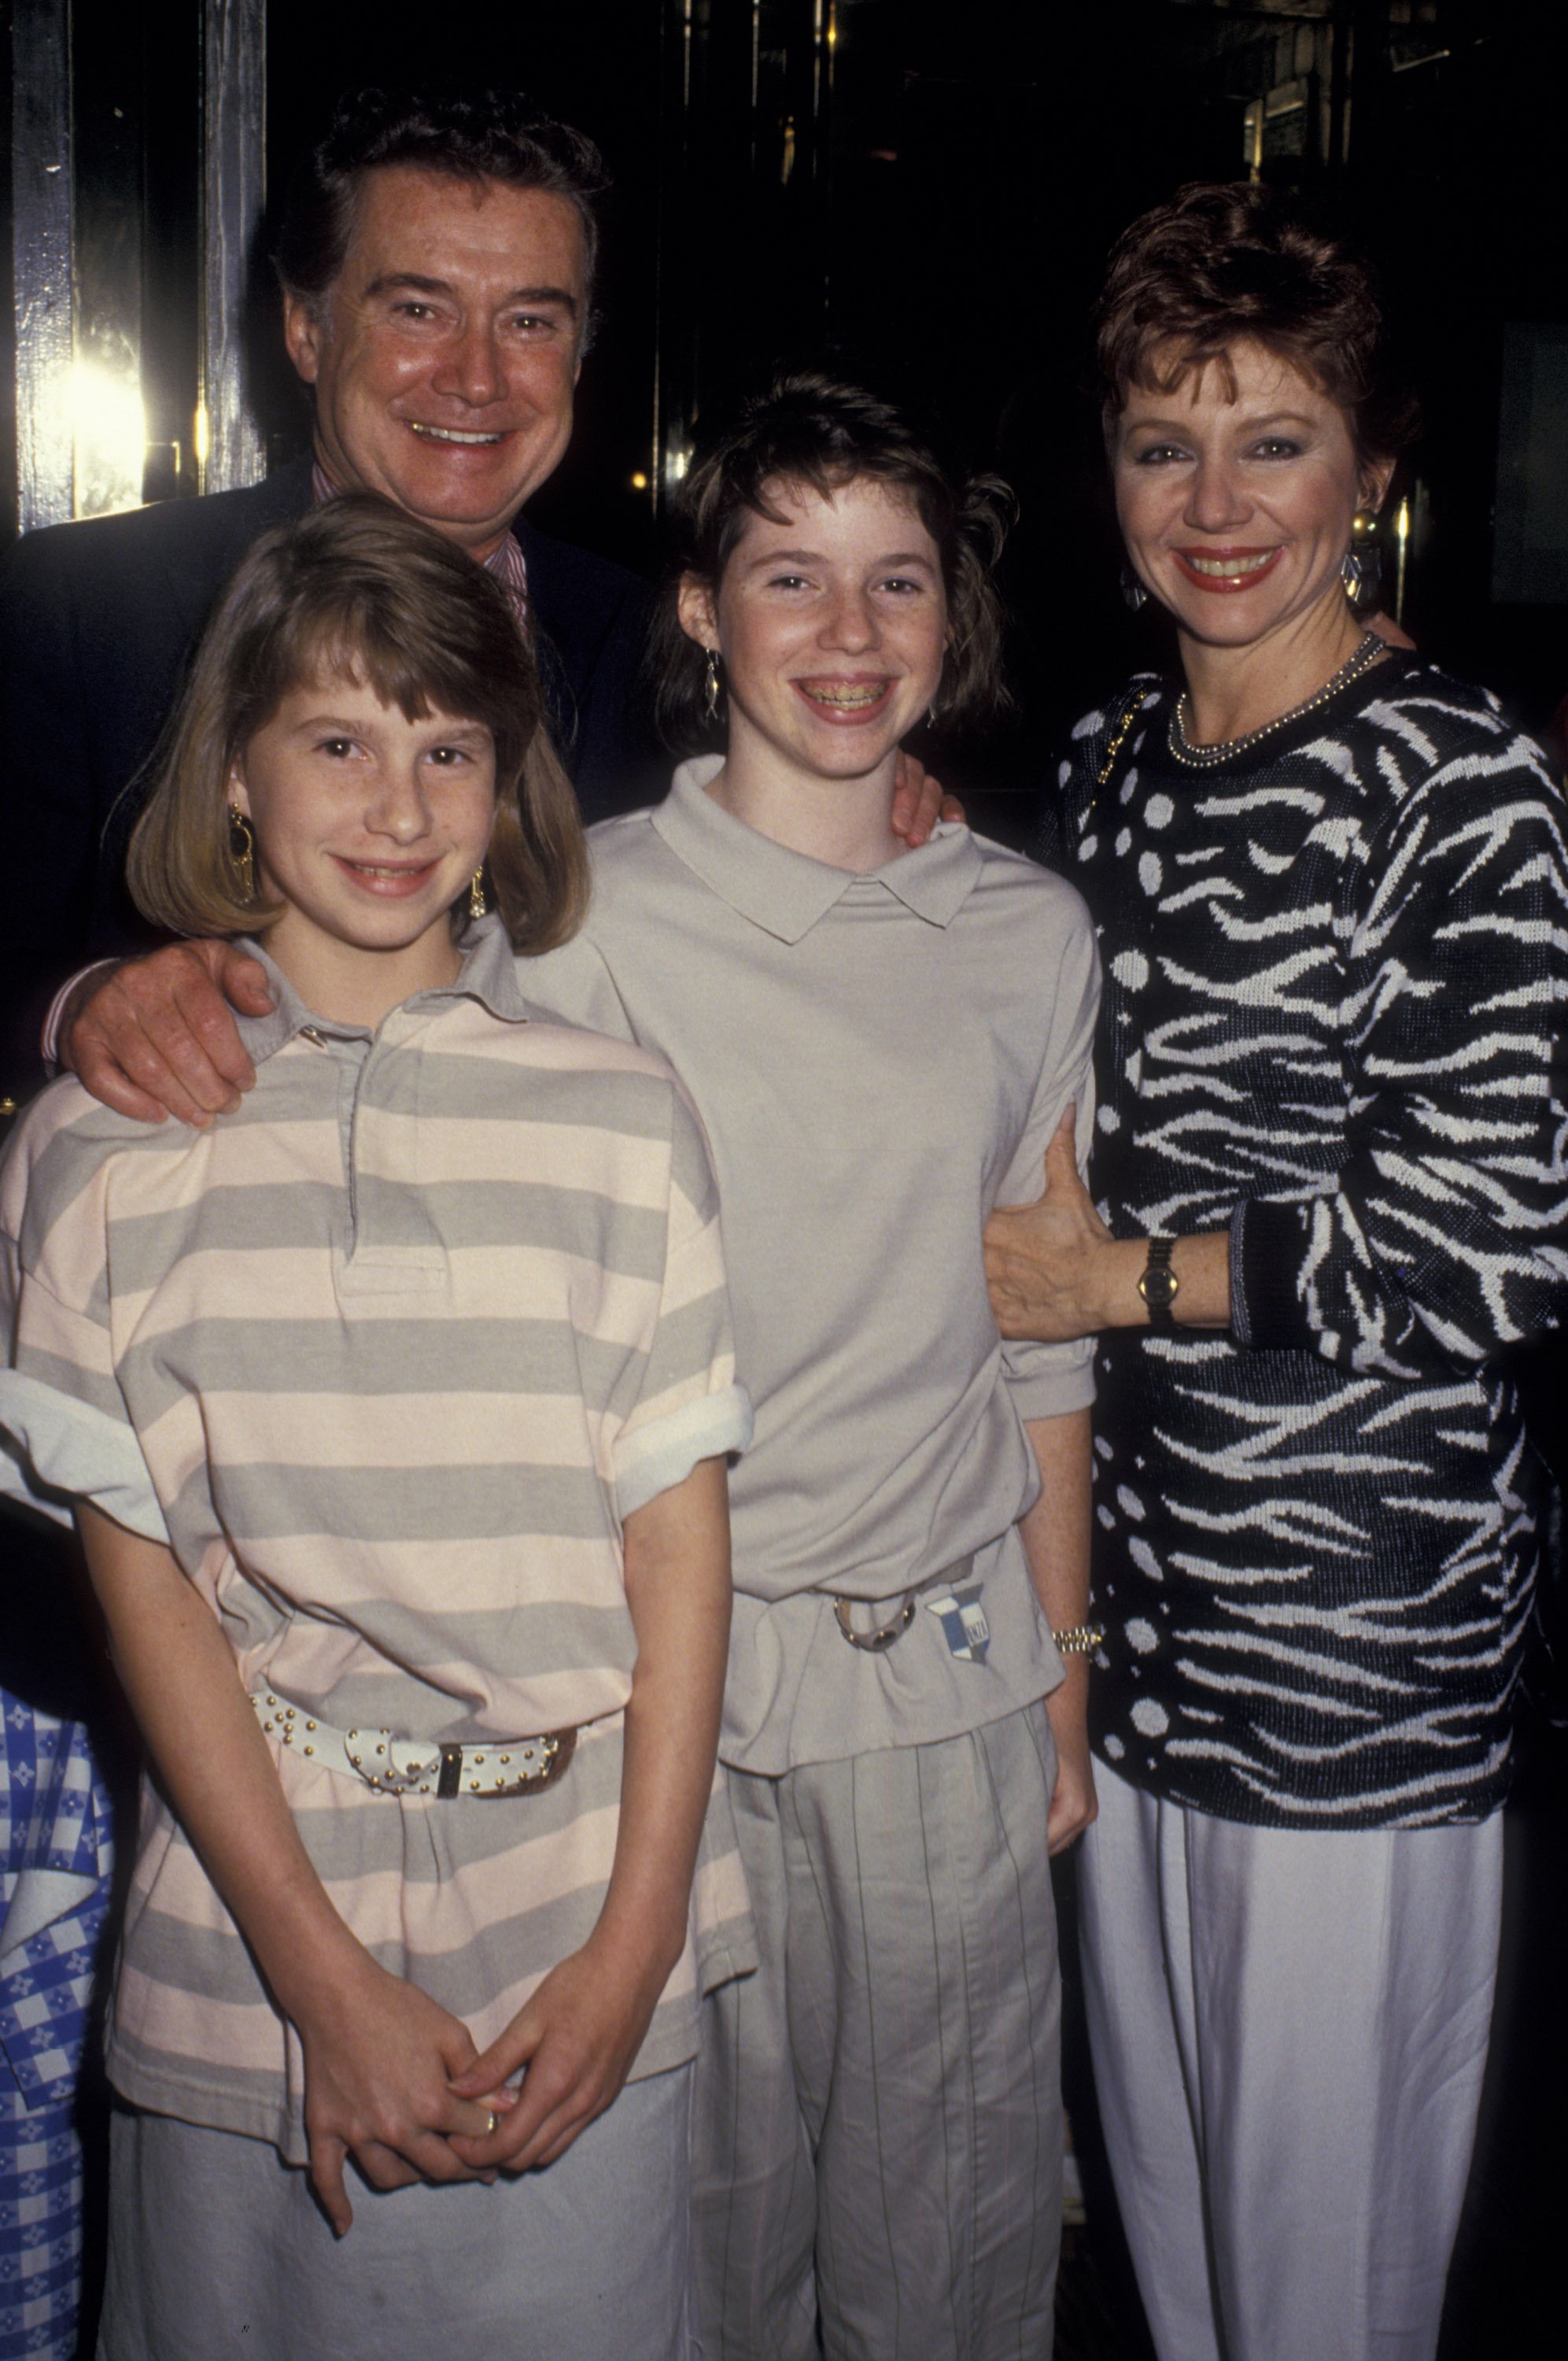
point(964, 1626)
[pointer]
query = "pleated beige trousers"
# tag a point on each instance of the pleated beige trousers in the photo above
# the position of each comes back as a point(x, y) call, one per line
point(877, 2119)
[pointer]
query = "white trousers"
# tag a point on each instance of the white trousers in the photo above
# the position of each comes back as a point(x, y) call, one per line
point(1288, 2030)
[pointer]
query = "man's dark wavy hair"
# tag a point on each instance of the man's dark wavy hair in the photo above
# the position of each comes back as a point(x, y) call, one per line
point(809, 433)
point(473, 134)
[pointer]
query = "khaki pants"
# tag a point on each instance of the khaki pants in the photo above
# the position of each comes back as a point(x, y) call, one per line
point(878, 2115)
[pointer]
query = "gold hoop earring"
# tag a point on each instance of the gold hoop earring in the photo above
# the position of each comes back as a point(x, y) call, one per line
point(242, 853)
point(710, 689)
point(476, 903)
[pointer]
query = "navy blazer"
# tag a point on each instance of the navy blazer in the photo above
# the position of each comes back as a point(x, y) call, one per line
point(96, 620)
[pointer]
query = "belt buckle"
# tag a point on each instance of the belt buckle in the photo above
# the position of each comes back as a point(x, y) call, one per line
point(534, 1764)
point(873, 1642)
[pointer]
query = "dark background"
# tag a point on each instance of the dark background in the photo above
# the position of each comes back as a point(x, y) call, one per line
point(926, 202)
point(922, 193)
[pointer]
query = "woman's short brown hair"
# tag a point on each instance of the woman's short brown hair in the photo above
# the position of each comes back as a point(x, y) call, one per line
point(358, 588)
point(810, 432)
point(1225, 261)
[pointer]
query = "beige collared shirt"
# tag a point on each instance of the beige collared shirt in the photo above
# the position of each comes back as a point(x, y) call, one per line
point(879, 1061)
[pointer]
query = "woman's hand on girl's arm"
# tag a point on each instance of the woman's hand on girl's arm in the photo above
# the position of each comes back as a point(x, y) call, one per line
point(1056, 1272)
point(380, 2055)
point(1053, 1267)
point(579, 2034)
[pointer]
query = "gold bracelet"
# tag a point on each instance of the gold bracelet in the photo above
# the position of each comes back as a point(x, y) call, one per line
point(1081, 1640)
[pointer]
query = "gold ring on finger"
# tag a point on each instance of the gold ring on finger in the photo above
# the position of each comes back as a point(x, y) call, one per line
point(493, 2125)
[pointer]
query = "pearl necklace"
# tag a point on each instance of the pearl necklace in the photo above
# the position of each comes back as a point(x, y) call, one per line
point(1205, 758)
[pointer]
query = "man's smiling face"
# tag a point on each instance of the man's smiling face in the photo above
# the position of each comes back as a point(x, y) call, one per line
point(445, 353)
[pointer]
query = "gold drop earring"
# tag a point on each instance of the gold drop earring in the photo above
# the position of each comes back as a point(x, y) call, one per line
point(242, 853)
point(1361, 567)
point(476, 903)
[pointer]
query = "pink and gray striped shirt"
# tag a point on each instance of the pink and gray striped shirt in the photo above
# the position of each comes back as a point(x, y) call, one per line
point(386, 1357)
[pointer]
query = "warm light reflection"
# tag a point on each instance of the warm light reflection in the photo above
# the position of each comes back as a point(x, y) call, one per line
point(108, 429)
point(639, 481)
point(1401, 546)
point(677, 459)
point(201, 438)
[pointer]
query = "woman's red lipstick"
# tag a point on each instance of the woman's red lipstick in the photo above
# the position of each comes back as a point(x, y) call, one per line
point(1242, 567)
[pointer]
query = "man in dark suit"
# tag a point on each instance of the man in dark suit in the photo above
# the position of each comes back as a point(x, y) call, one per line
point(437, 271)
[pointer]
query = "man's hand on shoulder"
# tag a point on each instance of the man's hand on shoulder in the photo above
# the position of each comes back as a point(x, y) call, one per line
point(156, 1036)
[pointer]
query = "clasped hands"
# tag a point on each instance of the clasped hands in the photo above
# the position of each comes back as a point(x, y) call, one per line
point(394, 2080)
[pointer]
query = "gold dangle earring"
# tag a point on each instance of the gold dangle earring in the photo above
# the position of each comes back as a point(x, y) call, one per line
point(476, 903)
point(242, 853)
point(710, 686)
point(1361, 569)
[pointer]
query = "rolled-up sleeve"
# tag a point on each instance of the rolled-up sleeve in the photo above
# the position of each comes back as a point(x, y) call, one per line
point(690, 1405)
point(65, 1429)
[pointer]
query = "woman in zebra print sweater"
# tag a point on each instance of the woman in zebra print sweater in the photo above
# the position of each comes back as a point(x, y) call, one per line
point(1332, 896)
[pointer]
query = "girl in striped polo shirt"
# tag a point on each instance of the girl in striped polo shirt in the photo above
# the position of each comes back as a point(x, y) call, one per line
point(393, 1406)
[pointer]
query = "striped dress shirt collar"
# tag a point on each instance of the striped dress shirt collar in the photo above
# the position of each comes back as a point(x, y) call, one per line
point(506, 561)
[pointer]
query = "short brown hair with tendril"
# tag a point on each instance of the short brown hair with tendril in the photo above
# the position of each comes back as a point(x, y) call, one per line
point(358, 588)
point(1234, 259)
point(807, 432)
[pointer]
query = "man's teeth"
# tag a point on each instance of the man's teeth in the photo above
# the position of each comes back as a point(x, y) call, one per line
point(1224, 568)
point(450, 433)
point(845, 699)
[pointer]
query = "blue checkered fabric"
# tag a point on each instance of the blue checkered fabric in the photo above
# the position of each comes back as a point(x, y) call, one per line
point(56, 1846)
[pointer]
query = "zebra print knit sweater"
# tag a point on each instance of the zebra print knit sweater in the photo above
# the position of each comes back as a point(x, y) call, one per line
point(1335, 977)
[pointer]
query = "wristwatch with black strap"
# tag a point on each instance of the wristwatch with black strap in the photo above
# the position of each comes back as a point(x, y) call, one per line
point(1159, 1285)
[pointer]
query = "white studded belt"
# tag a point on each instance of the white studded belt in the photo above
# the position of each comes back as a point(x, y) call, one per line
point(417, 1766)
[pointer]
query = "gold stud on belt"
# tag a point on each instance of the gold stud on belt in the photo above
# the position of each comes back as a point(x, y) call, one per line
point(527, 1767)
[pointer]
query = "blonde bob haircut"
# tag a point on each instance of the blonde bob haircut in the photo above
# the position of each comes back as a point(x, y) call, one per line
point(358, 591)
